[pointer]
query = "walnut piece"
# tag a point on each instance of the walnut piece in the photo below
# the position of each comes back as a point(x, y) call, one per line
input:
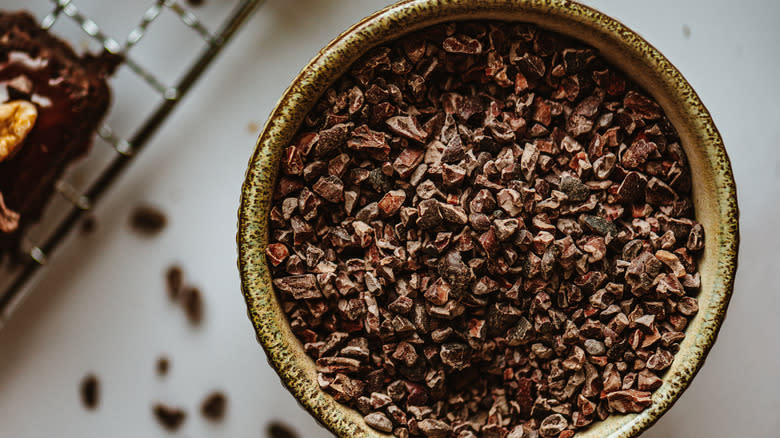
point(16, 120)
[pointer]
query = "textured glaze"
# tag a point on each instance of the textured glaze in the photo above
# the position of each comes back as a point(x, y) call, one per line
point(714, 191)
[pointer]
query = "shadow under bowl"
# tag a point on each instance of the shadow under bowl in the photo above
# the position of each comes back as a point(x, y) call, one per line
point(714, 191)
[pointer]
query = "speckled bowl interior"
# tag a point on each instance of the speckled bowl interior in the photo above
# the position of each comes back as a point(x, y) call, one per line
point(714, 192)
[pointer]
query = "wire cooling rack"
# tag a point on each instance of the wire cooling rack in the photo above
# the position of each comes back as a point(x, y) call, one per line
point(15, 279)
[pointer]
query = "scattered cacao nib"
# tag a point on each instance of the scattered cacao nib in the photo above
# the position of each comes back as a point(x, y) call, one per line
point(485, 230)
point(193, 305)
point(147, 220)
point(276, 429)
point(163, 365)
point(189, 297)
point(90, 391)
point(174, 279)
point(170, 417)
point(214, 406)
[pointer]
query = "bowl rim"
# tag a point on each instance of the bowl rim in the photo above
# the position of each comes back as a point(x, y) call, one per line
point(311, 82)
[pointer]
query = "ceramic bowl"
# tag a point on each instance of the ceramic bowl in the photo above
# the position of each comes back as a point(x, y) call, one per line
point(714, 192)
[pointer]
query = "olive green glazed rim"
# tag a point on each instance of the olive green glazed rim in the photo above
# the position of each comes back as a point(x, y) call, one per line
point(714, 190)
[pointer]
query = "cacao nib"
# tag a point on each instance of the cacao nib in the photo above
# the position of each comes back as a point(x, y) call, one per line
point(408, 127)
point(214, 406)
point(485, 230)
point(171, 418)
point(90, 391)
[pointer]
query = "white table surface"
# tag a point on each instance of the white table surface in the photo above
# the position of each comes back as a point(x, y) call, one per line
point(101, 306)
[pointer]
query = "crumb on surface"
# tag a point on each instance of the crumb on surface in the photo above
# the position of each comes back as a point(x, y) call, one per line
point(174, 279)
point(163, 365)
point(169, 417)
point(147, 220)
point(277, 429)
point(214, 406)
point(90, 391)
point(193, 305)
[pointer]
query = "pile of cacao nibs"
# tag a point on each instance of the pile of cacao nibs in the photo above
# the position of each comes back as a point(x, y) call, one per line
point(483, 229)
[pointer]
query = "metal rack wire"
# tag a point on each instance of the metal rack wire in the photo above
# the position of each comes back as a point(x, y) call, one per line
point(126, 148)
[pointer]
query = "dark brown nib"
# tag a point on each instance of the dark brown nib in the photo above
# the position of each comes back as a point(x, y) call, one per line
point(189, 297)
point(163, 365)
point(90, 391)
point(483, 229)
point(193, 305)
point(174, 279)
point(147, 220)
point(169, 417)
point(214, 406)
point(276, 429)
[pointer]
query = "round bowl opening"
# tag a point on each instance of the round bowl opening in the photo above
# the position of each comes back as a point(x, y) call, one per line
point(714, 192)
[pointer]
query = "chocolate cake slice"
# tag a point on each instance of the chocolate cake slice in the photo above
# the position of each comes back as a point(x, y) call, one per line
point(51, 103)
